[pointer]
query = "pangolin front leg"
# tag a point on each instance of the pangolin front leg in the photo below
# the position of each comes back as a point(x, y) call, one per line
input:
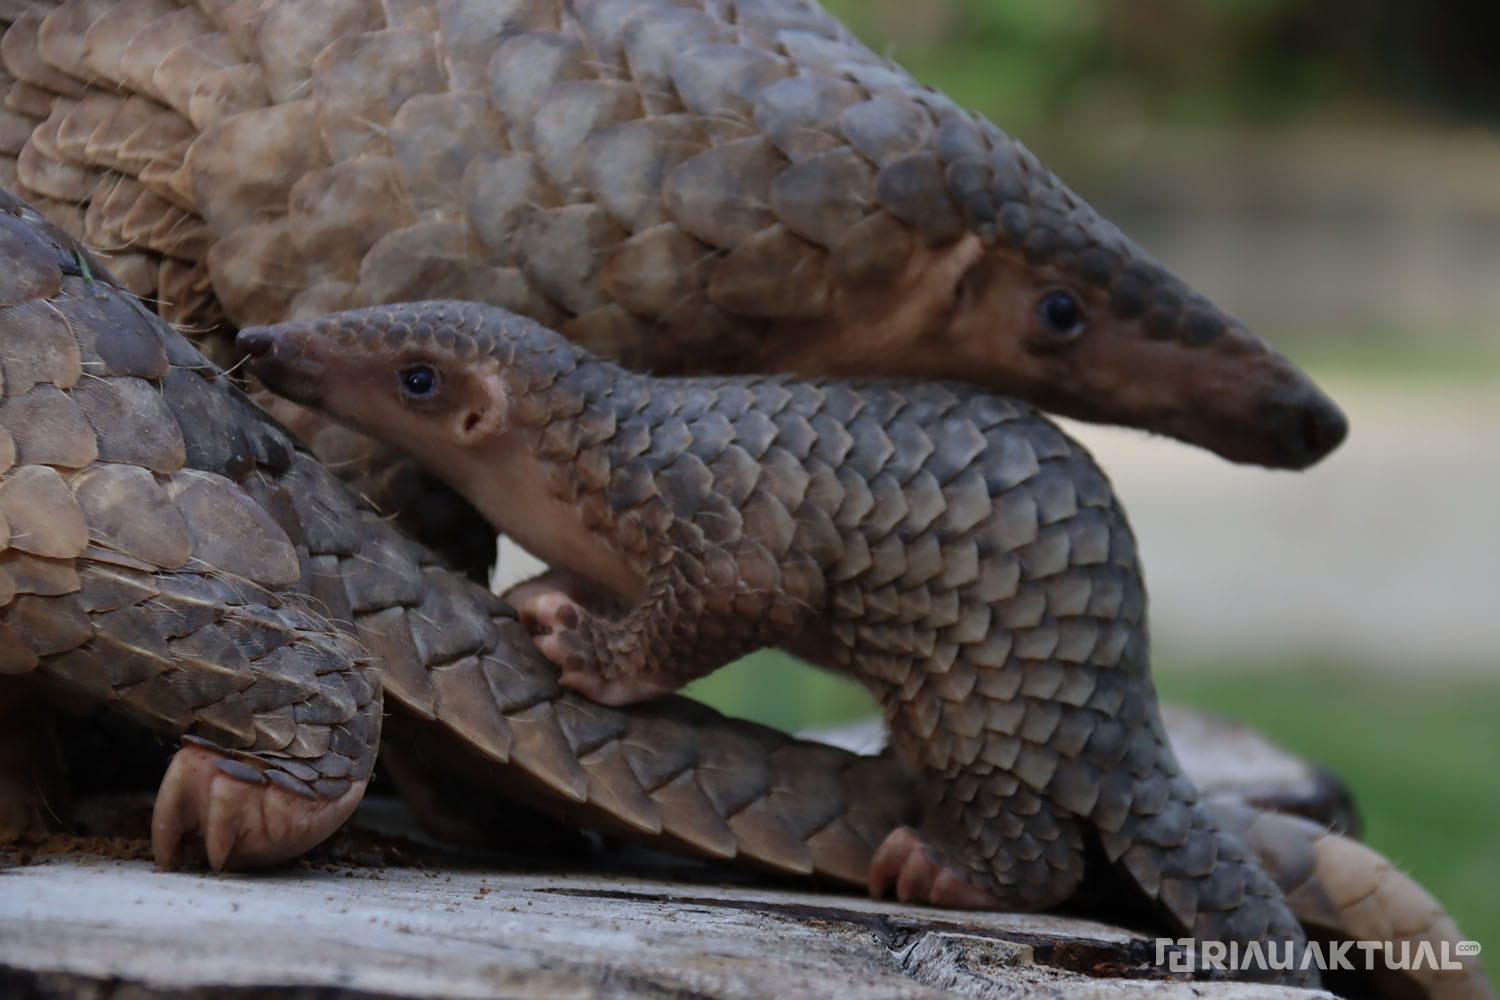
point(951, 549)
point(615, 659)
point(678, 631)
point(277, 716)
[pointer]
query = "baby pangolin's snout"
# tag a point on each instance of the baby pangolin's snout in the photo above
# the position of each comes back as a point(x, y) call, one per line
point(288, 368)
point(255, 342)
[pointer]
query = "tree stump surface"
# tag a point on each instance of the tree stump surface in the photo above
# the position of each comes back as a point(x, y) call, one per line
point(94, 926)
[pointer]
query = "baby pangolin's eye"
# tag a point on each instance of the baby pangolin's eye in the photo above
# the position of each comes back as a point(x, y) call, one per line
point(419, 381)
point(1061, 314)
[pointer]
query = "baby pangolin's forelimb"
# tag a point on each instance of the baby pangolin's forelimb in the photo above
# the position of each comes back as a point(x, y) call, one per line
point(950, 548)
point(682, 185)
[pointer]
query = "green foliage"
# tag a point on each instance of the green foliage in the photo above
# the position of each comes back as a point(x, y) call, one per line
point(778, 690)
point(1014, 61)
point(1027, 63)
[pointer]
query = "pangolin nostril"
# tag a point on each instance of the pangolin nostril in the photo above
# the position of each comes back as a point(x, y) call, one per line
point(255, 343)
point(1324, 427)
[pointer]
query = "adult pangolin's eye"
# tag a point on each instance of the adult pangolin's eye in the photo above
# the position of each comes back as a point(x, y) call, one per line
point(419, 381)
point(1061, 314)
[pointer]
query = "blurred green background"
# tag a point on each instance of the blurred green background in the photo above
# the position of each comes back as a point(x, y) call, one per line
point(1330, 172)
point(1201, 61)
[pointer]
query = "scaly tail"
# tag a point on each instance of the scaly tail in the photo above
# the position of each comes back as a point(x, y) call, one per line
point(1202, 873)
point(1341, 890)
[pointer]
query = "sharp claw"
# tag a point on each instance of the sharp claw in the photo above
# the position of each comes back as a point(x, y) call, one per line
point(890, 858)
point(238, 815)
point(220, 835)
point(921, 874)
point(172, 819)
point(916, 879)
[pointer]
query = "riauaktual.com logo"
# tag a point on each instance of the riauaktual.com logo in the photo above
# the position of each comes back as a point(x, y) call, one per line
point(1192, 955)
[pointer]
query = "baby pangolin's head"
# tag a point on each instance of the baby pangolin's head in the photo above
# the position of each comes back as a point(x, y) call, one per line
point(437, 379)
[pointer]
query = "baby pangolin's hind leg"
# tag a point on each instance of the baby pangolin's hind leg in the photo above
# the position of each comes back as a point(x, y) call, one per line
point(986, 842)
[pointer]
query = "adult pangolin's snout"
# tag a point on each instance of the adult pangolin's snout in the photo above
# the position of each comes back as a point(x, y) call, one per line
point(1311, 426)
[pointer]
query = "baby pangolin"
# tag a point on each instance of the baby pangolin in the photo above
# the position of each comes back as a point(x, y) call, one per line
point(951, 549)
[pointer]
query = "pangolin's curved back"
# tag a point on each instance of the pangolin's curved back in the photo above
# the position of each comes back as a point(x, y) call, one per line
point(678, 184)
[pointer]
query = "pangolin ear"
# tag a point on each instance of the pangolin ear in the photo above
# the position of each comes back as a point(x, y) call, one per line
point(487, 412)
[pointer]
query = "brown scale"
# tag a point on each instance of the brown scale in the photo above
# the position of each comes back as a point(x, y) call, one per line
point(679, 185)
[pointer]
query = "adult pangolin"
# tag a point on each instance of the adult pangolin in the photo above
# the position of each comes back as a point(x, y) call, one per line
point(681, 185)
point(950, 548)
point(186, 647)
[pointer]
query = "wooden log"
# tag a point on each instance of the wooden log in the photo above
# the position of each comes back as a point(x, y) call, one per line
point(89, 925)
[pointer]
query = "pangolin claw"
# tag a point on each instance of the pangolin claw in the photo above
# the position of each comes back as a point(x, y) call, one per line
point(920, 873)
point(228, 812)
